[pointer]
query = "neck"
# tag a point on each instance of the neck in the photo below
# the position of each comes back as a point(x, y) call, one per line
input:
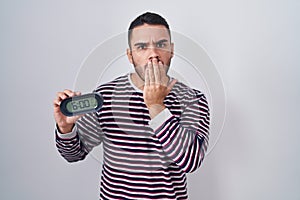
point(137, 81)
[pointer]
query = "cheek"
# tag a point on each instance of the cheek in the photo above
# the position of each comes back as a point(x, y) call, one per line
point(135, 56)
point(140, 71)
point(167, 59)
point(139, 60)
point(166, 54)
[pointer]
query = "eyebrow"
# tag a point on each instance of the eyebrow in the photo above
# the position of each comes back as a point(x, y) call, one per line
point(140, 43)
point(143, 43)
point(162, 41)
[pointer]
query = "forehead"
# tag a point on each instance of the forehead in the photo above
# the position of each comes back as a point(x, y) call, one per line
point(150, 32)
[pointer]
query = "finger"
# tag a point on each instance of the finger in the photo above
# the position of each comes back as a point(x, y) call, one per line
point(163, 75)
point(171, 85)
point(156, 72)
point(56, 102)
point(61, 96)
point(147, 78)
point(151, 73)
point(161, 68)
point(69, 93)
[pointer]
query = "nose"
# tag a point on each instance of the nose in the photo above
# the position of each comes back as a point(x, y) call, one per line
point(153, 53)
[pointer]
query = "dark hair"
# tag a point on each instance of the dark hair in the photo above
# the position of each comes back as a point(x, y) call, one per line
point(147, 18)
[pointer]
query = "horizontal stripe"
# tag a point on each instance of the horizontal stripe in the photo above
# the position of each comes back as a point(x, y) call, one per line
point(139, 162)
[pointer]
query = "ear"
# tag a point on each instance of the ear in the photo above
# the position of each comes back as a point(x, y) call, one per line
point(129, 55)
point(172, 50)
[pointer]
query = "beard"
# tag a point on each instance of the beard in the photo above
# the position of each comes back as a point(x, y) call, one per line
point(140, 69)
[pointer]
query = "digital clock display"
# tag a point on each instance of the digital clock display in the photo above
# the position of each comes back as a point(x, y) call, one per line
point(81, 104)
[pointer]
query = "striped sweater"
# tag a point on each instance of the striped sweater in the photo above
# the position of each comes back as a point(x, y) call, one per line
point(142, 158)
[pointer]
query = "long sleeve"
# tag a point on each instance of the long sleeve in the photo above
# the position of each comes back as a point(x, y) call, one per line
point(185, 138)
point(85, 135)
point(143, 158)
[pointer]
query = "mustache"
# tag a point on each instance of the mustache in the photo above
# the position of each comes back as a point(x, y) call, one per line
point(146, 64)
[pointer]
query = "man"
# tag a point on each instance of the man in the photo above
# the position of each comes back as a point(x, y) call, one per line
point(153, 128)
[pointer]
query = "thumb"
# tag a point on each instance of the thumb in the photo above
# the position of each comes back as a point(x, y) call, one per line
point(171, 84)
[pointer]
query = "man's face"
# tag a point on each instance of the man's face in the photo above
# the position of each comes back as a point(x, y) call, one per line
point(147, 43)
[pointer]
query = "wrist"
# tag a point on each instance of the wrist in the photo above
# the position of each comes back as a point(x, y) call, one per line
point(155, 109)
point(65, 129)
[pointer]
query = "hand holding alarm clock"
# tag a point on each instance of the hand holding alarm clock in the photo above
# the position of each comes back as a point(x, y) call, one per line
point(69, 106)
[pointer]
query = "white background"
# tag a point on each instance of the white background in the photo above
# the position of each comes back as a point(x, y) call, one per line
point(254, 44)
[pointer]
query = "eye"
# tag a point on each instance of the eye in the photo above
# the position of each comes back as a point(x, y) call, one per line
point(161, 45)
point(141, 46)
